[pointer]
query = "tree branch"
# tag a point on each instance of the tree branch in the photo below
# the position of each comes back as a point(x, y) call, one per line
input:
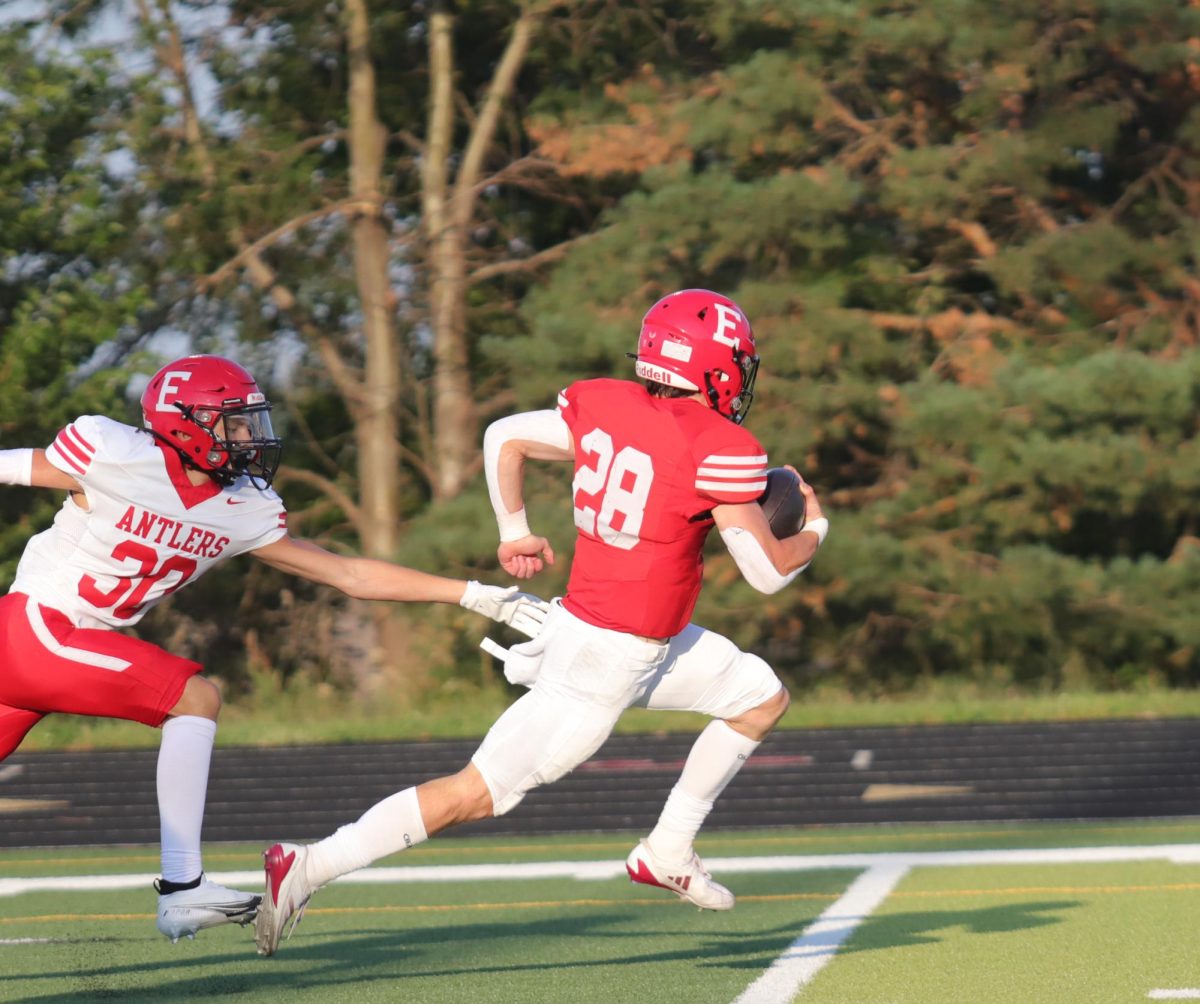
point(297, 417)
point(418, 462)
point(519, 168)
point(484, 130)
point(976, 235)
point(327, 487)
point(535, 261)
point(253, 250)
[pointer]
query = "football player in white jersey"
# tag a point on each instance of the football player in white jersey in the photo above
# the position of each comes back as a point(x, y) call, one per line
point(148, 511)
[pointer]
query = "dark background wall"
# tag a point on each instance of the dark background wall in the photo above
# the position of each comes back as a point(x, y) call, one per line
point(1078, 770)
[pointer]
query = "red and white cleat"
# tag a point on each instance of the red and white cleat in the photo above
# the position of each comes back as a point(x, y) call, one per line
point(287, 892)
point(689, 880)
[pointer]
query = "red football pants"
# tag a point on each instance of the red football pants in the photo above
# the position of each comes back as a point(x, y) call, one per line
point(47, 664)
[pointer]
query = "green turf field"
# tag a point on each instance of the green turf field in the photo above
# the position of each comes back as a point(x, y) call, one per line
point(897, 915)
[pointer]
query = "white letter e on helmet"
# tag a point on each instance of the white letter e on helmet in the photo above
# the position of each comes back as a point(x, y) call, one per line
point(728, 318)
point(170, 387)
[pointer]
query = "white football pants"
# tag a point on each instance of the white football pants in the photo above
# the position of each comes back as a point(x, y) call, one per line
point(589, 676)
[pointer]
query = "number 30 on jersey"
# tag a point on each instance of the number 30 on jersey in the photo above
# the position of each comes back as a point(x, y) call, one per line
point(620, 483)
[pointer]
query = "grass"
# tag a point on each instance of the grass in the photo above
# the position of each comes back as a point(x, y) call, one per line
point(303, 712)
point(1075, 932)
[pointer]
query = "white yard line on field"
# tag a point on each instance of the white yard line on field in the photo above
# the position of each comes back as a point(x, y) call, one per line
point(592, 870)
point(819, 942)
point(1174, 995)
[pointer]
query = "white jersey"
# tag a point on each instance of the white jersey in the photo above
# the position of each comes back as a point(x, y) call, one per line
point(147, 530)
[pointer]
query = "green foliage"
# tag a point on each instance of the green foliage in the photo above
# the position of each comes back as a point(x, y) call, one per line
point(965, 234)
point(63, 291)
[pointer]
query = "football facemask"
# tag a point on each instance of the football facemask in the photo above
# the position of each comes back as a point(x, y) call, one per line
point(242, 442)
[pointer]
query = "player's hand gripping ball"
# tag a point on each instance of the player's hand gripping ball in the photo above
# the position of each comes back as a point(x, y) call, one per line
point(783, 503)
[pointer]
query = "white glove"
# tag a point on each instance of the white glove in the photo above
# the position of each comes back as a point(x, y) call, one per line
point(506, 605)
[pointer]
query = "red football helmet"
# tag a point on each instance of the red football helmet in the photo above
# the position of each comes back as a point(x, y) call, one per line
point(210, 410)
point(696, 339)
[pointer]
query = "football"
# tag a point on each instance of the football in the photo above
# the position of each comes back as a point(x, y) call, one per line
point(782, 502)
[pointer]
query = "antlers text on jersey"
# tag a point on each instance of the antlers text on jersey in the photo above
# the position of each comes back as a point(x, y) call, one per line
point(171, 533)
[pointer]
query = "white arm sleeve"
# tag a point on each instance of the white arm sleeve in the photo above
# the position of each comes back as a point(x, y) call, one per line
point(536, 426)
point(752, 561)
point(16, 467)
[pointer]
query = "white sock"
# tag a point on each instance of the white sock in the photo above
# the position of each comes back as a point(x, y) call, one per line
point(183, 758)
point(717, 755)
point(392, 825)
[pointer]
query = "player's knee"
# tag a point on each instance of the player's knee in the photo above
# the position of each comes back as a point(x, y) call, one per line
point(200, 697)
point(477, 801)
point(762, 717)
point(458, 798)
point(774, 707)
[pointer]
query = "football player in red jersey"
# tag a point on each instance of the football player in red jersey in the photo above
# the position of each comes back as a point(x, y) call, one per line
point(657, 466)
point(148, 511)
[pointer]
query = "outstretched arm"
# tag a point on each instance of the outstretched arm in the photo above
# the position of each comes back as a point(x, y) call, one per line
point(507, 444)
point(373, 579)
point(362, 578)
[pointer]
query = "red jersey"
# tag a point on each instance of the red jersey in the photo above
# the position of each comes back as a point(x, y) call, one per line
point(648, 472)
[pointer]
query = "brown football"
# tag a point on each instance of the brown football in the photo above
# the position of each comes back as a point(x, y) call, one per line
point(782, 502)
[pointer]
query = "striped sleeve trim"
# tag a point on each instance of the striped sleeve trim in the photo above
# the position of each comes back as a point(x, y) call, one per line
point(562, 400)
point(732, 475)
point(73, 450)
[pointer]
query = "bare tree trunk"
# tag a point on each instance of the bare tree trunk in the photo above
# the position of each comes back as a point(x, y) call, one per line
point(377, 425)
point(448, 210)
point(377, 429)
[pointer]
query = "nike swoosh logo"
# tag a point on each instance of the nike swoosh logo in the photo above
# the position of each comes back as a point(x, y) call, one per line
point(230, 501)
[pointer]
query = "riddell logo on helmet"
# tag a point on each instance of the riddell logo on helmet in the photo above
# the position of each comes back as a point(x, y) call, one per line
point(648, 371)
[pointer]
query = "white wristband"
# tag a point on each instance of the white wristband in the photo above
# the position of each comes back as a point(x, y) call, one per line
point(16, 467)
point(513, 525)
point(819, 526)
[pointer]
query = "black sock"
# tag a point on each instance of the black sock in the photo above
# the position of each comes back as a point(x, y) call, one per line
point(165, 888)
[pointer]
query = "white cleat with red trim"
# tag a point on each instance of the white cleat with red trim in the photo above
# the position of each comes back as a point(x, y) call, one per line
point(287, 892)
point(689, 880)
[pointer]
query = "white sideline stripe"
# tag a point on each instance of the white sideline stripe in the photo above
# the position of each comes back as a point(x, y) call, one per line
point(1174, 995)
point(593, 870)
point(819, 942)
